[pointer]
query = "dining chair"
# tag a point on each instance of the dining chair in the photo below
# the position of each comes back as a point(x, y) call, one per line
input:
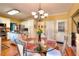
point(20, 48)
point(65, 45)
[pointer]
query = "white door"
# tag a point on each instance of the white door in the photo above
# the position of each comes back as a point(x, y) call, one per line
point(61, 26)
point(50, 30)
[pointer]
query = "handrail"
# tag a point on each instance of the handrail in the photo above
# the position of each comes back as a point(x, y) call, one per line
point(75, 14)
point(74, 21)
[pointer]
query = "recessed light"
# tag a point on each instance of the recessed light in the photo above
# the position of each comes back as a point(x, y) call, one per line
point(13, 12)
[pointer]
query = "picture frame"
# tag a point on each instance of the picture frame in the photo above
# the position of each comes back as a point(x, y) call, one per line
point(61, 26)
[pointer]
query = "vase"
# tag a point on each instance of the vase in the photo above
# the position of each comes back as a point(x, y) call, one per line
point(39, 38)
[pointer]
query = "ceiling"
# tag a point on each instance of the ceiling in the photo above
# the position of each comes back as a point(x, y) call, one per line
point(27, 8)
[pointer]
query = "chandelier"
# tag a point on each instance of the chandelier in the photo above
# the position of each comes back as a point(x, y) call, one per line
point(40, 14)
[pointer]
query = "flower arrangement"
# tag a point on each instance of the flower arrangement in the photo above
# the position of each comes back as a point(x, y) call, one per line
point(39, 31)
point(38, 49)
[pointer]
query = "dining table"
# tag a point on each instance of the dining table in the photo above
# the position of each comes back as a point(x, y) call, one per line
point(43, 48)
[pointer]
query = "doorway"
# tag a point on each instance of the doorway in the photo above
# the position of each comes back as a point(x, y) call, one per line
point(50, 30)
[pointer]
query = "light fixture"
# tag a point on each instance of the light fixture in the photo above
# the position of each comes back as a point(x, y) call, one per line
point(41, 11)
point(42, 17)
point(35, 16)
point(46, 14)
point(13, 12)
point(40, 14)
point(33, 13)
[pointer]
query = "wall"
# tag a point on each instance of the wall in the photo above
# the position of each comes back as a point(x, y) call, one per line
point(6, 21)
point(17, 21)
point(30, 25)
point(11, 19)
point(55, 19)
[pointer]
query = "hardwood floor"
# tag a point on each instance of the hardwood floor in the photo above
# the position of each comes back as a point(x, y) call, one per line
point(9, 49)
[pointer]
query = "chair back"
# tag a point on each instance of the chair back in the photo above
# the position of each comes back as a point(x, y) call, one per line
point(64, 45)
